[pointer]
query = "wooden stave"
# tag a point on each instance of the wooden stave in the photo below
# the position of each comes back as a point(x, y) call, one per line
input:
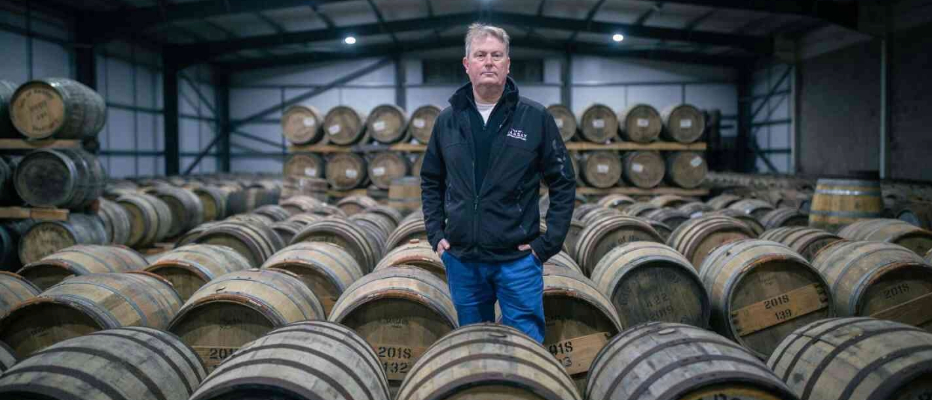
point(386, 211)
point(397, 167)
point(428, 114)
point(784, 216)
point(572, 237)
point(829, 209)
point(567, 125)
point(339, 179)
point(260, 239)
point(303, 133)
point(273, 211)
point(672, 217)
point(185, 206)
point(203, 261)
point(753, 207)
point(652, 168)
point(392, 136)
point(684, 238)
point(16, 289)
point(594, 232)
point(630, 127)
point(82, 260)
point(890, 231)
point(749, 220)
point(86, 178)
point(722, 201)
point(156, 214)
point(116, 221)
point(299, 204)
point(639, 209)
point(214, 202)
point(351, 205)
point(669, 200)
point(801, 239)
point(407, 230)
point(81, 229)
point(354, 126)
point(597, 213)
point(695, 208)
point(684, 173)
point(312, 261)
point(85, 111)
point(415, 253)
point(563, 260)
point(364, 250)
point(384, 224)
point(675, 133)
point(616, 201)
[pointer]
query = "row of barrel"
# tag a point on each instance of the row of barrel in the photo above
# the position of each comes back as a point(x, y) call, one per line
point(387, 124)
point(61, 178)
point(50, 108)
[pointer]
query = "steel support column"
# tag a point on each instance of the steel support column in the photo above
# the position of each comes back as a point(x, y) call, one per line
point(743, 154)
point(222, 115)
point(170, 94)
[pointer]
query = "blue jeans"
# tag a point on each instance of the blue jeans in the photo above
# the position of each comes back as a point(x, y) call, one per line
point(517, 285)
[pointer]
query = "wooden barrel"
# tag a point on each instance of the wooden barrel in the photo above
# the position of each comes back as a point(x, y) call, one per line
point(81, 260)
point(190, 236)
point(345, 234)
point(150, 219)
point(7, 177)
point(580, 320)
point(753, 207)
point(327, 210)
point(86, 304)
point(565, 120)
point(250, 217)
point(391, 213)
point(312, 187)
point(47, 237)
point(669, 216)
point(694, 239)
point(384, 224)
point(854, 358)
point(343, 125)
point(190, 267)
point(572, 237)
point(214, 202)
point(640, 209)
point(663, 229)
point(355, 204)
point(386, 123)
point(416, 253)
point(682, 123)
point(761, 292)
point(686, 169)
point(299, 204)
point(839, 202)
point(598, 124)
point(601, 169)
point(63, 178)
point(488, 361)
point(273, 211)
point(579, 213)
point(600, 237)
point(16, 289)
point(422, 122)
point(322, 359)
point(643, 169)
point(239, 307)
point(287, 230)
point(805, 241)
point(327, 269)
point(652, 282)
point(244, 201)
point(386, 167)
point(616, 201)
point(640, 123)
point(302, 124)
point(304, 165)
point(916, 213)
point(254, 241)
point(695, 209)
point(59, 108)
point(185, 207)
point(662, 360)
point(722, 201)
point(669, 200)
point(116, 221)
point(891, 231)
point(404, 308)
point(118, 364)
point(597, 213)
point(878, 280)
point(749, 220)
point(563, 260)
point(780, 217)
point(346, 171)
point(404, 194)
point(7, 130)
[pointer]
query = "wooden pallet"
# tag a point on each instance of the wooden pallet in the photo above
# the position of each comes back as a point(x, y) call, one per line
point(21, 144)
point(43, 214)
point(633, 191)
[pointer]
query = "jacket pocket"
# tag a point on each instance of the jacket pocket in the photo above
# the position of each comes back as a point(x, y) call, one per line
point(458, 223)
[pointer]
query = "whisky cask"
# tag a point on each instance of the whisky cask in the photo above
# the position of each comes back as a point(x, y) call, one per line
point(416, 253)
point(386, 167)
point(422, 122)
point(780, 217)
point(600, 237)
point(839, 202)
point(81, 260)
point(386, 123)
point(150, 219)
point(598, 124)
point(327, 269)
point(344, 233)
point(190, 267)
point(891, 231)
point(565, 120)
point(116, 221)
point(805, 241)
point(346, 171)
point(694, 239)
point(302, 124)
point(57, 108)
point(640, 123)
point(254, 241)
point(46, 237)
point(15, 290)
point(683, 123)
point(686, 169)
point(643, 169)
point(62, 178)
point(343, 125)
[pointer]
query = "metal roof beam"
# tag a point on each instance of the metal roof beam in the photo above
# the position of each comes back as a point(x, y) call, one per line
point(841, 13)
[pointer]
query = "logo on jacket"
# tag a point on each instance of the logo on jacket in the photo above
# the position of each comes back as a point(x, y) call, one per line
point(517, 134)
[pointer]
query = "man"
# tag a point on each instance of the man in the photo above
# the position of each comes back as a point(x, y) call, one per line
point(480, 184)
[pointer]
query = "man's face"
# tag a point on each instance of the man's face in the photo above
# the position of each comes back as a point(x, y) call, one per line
point(487, 63)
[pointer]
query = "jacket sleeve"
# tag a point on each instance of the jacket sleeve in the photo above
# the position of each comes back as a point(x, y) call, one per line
point(433, 188)
point(557, 172)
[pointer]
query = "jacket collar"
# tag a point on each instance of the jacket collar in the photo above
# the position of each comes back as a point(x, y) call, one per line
point(463, 96)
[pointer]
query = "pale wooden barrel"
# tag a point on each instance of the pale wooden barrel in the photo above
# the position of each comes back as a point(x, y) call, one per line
point(784, 216)
point(307, 360)
point(254, 241)
point(565, 120)
point(47, 237)
point(346, 171)
point(640, 209)
point(15, 290)
point(856, 358)
point(669, 216)
point(652, 282)
point(345, 234)
point(117, 364)
point(600, 237)
point(563, 260)
point(597, 213)
point(387, 166)
point(299, 204)
point(805, 241)
point(391, 213)
point(616, 201)
point(878, 280)
point(722, 201)
point(327, 269)
point(116, 221)
point(682, 123)
point(287, 230)
point(601, 169)
point(304, 165)
point(274, 212)
point(422, 122)
point(416, 253)
point(150, 219)
point(640, 123)
point(298, 186)
point(891, 231)
point(352, 205)
point(190, 267)
point(327, 210)
point(839, 202)
point(748, 219)
point(81, 260)
point(762, 291)
point(488, 361)
point(62, 178)
point(598, 124)
point(669, 200)
point(87, 304)
point(695, 209)
point(404, 308)
point(686, 169)
point(643, 169)
point(404, 194)
point(57, 108)
point(239, 307)
point(185, 207)
point(580, 213)
point(694, 239)
point(667, 361)
point(753, 207)
point(344, 125)
point(572, 237)
point(190, 236)
point(302, 124)
point(386, 123)
point(381, 223)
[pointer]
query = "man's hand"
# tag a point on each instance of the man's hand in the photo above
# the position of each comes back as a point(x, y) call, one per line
point(443, 246)
point(524, 247)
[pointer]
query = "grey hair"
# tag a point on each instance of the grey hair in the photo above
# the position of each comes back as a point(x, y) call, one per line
point(479, 30)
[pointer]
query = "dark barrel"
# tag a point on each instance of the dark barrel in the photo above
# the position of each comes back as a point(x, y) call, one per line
point(63, 178)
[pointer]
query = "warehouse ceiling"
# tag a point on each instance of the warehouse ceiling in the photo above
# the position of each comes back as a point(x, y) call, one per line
point(256, 33)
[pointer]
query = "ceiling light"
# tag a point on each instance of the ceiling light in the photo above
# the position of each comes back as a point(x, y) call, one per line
point(618, 37)
point(349, 40)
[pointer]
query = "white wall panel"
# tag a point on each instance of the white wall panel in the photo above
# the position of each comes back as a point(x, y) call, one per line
point(708, 96)
point(189, 136)
point(364, 100)
point(436, 95)
point(119, 81)
point(241, 164)
point(145, 131)
point(122, 129)
point(50, 60)
point(13, 64)
point(322, 102)
point(145, 88)
point(611, 96)
point(246, 102)
point(545, 95)
point(660, 97)
point(121, 167)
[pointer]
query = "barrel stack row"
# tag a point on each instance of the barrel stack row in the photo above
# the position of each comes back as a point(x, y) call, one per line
point(643, 169)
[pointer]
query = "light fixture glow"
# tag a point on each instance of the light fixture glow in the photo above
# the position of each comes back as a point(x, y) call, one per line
point(618, 37)
point(349, 40)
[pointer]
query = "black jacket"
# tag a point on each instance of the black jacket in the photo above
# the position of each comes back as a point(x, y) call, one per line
point(487, 224)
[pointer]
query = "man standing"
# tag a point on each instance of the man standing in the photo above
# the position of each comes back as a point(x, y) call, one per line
point(480, 181)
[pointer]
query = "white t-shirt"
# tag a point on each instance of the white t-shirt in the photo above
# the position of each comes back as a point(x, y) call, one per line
point(485, 109)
